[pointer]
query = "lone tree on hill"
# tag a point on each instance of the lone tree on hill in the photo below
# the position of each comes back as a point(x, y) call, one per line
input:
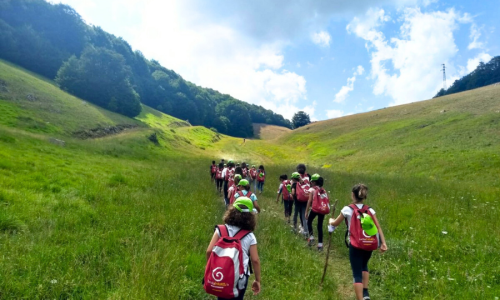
point(300, 119)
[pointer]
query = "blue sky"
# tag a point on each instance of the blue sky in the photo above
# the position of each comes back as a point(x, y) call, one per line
point(328, 57)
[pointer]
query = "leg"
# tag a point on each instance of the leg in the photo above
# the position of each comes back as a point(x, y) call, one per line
point(303, 211)
point(310, 220)
point(295, 215)
point(225, 192)
point(366, 275)
point(356, 259)
point(321, 218)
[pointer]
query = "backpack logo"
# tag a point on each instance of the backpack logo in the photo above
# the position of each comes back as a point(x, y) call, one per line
point(217, 276)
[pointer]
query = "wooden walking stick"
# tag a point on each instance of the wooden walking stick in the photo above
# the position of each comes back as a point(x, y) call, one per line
point(329, 244)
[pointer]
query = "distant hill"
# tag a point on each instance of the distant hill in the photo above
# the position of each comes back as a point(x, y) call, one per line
point(268, 132)
point(452, 137)
point(485, 74)
point(54, 41)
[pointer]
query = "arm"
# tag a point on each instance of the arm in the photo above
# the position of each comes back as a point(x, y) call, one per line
point(256, 206)
point(215, 237)
point(383, 247)
point(337, 221)
point(254, 256)
point(309, 203)
point(279, 193)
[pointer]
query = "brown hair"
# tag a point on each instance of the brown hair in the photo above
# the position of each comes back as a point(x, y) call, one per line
point(360, 191)
point(243, 220)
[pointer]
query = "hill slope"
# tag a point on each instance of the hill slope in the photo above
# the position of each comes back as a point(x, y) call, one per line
point(268, 132)
point(453, 137)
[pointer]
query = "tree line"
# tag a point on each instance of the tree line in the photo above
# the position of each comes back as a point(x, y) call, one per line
point(485, 74)
point(54, 41)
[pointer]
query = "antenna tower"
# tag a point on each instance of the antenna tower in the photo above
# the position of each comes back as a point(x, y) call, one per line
point(444, 77)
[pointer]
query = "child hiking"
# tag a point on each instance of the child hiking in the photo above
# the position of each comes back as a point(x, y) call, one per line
point(213, 170)
point(227, 276)
point(261, 178)
point(253, 178)
point(244, 191)
point(365, 236)
point(233, 189)
point(300, 205)
point(219, 178)
point(318, 205)
point(285, 190)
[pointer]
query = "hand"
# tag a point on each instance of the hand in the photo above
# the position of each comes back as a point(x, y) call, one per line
point(331, 228)
point(330, 222)
point(255, 287)
point(383, 248)
point(307, 216)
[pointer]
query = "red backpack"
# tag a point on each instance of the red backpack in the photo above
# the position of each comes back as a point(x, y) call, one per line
point(219, 174)
point(357, 237)
point(284, 190)
point(245, 172)
point(214, 168)
point(225, 268)
point(240, 194)
point(253, 173)
point(321, 203)
point(229, 175)
point(302, 192)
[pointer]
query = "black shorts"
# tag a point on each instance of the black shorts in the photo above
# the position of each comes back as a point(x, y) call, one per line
point(213, 175)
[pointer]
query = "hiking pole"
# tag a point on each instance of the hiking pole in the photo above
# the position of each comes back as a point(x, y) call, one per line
point(329, 244)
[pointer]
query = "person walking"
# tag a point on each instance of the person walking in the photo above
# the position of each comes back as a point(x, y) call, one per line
point(261, 178)
point(318, 205)
point(239, 224)
point(365, 236)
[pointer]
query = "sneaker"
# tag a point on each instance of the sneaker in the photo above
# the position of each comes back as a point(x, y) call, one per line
point(366, 298)
point(310, 241)
point(320, 248)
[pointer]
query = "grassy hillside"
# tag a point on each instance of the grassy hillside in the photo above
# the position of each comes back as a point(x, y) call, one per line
point(455, 137)
point(268, 132)
point(127, 217)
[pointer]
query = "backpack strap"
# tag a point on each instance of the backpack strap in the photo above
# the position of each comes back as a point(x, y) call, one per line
point(222, 230)
point(241, 234)
point(347, 225)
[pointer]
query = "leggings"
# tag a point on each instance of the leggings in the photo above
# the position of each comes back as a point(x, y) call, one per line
point(288, 207)
point(260, 186)
point(310, 220)
point(359, 262)
point(300, 209)
point(219, 185)
point(225, 192)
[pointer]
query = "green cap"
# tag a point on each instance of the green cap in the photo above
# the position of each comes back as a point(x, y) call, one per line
point(368, 225)
point(295, 175)
point(244, 201)
point(315, 177)
point(230, 161)
point(253, 166)
point(237, 176)
point(243, 182)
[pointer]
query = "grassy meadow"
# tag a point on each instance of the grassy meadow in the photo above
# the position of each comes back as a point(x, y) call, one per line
point(129, 217)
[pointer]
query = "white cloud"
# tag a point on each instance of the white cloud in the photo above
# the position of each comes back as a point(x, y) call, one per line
point(321, 38)
point(474, 62)
point(475, 34)
point(349, 87)
point(426, 41)
point(331, 114)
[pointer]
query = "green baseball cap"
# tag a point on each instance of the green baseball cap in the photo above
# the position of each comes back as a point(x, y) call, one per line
point(237, 176)
point(368, 225)
point(295, 175)
point(230, 161)
point(243, 182)
point(315, 177)
point(244, 201)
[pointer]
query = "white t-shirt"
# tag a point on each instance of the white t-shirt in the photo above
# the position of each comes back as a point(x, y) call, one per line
point(347, 213)
point(224, 173)
point(246, 242)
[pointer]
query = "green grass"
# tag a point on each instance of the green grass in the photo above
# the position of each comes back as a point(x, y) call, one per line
point(120, 217)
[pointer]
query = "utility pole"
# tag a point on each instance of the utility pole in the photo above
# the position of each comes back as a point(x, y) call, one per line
point(444, 77)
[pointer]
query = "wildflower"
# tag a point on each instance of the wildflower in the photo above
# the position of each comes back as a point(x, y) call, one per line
point(53, 281)
point(444, 232)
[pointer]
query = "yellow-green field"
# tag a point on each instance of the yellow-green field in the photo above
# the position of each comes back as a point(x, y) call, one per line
point(129, 215)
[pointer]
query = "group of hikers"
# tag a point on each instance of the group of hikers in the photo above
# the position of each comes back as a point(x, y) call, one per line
point(232, 253)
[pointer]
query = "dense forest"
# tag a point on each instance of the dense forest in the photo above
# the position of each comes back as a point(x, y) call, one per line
point(484, 74)
point(54, 41)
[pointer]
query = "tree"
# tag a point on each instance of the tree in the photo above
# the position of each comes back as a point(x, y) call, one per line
point(300, 119)
point(101, 76)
